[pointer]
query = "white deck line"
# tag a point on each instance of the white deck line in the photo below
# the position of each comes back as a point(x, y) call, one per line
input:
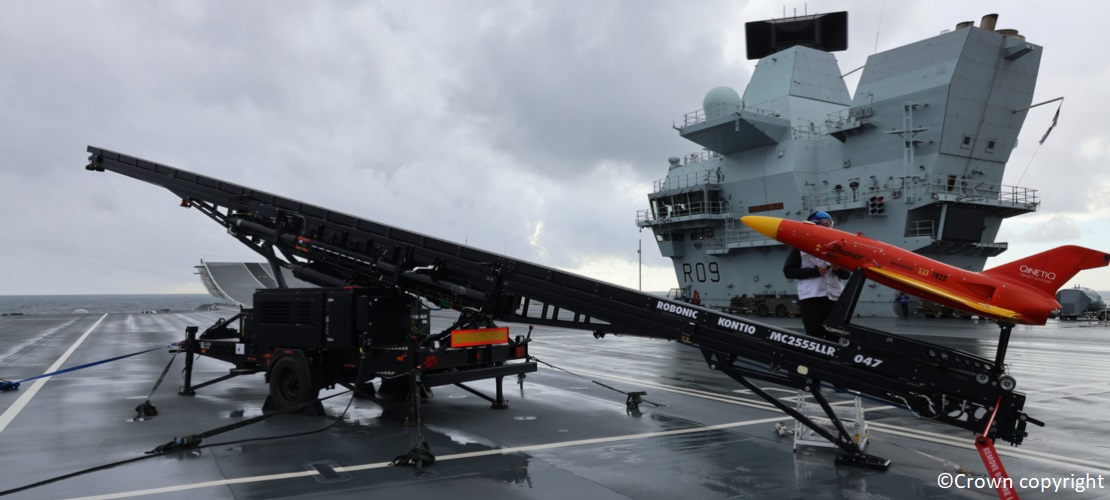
point(456, 456)
point(25, 398)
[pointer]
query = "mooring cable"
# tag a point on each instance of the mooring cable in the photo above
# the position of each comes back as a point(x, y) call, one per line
point(9, 385)
point(182, 444)
point(629, 394)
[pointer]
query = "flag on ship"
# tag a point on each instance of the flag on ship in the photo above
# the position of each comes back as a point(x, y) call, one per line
point(1050, 127)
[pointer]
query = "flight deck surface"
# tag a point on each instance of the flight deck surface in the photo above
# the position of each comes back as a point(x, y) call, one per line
point(564, 434)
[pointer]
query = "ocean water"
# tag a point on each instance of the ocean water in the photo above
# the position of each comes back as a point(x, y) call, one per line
point(99, 304)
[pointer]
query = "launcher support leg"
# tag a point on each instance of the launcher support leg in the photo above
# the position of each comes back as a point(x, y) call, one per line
point(275, 267)
point(497, 404)
point(500, 404)
point(852, 455)
point(414, 419)
point(845, 437)
point(190, 348)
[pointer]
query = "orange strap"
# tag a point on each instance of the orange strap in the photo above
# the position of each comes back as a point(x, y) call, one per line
point(1003, 484)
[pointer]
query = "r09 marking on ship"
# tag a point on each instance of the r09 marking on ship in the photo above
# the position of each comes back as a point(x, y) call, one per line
point(701, 272)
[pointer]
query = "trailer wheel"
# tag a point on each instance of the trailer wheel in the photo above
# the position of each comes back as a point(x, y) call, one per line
point(763, 310)
point(291, 383)
point(780, 311)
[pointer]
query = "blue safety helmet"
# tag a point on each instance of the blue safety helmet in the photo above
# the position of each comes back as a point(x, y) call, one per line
point(817, 217)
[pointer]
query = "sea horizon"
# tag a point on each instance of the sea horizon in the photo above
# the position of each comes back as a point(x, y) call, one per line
point(104, 303)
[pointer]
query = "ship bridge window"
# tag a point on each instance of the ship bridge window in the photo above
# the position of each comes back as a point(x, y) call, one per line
point(990, 145)
point(661, 208)
point(966, 143)
point(701, 234)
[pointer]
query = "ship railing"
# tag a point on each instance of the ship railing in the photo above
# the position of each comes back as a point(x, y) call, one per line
point(708, 176)
point(735, 235)
point(921, 228)
point(667, 213)
point(845, 198)
point(696, 117)
point(210, 283)
point(833, 122)
point(840, 118)
point(941, 189)
point(984, 192)
point(699, 157)
point(810, 132)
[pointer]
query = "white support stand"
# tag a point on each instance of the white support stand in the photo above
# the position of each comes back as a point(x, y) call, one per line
point(852, 418)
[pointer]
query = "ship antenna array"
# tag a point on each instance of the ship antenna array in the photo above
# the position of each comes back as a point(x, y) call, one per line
point(805, 11)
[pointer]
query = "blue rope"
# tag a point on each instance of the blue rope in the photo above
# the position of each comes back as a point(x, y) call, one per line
point(8, 385)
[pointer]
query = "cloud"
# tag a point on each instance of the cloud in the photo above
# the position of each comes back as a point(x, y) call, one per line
point(532, 129)
point(1056, 229)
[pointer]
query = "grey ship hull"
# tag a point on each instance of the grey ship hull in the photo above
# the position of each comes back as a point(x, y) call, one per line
point(915, 158)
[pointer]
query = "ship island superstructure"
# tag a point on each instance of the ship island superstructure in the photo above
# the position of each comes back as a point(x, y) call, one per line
point(914, 158)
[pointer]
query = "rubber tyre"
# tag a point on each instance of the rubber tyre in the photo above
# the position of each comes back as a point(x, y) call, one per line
point(762, 310)
point(291, 383)
point(781, 312)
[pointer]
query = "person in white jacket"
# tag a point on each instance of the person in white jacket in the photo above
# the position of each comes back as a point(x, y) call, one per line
point(819, 283)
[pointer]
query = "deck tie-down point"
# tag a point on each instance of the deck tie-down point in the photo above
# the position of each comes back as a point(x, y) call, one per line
point(420, 456)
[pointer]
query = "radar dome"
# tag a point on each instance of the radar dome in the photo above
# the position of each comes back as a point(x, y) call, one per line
point(720, 101)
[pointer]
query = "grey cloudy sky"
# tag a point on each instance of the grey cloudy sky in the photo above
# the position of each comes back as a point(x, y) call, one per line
point(532, 129)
